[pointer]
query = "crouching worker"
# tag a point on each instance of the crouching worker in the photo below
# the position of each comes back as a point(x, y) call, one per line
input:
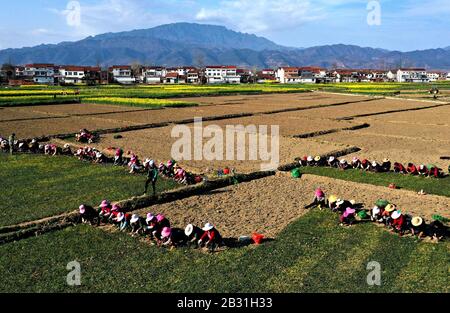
point(105, 211)
point(173, 237)
point(66, 150)
point(333, 162)
point(399, 168)
point(211, 238)
point(193, 234)
point(137, 224)
point(417, 227)
point(348, 217)
point(318, 200)
point(332, 202)
point(437, 230)
point(123, 221)
point(87, 214)
point(398, 222)
point(386, 165)
point(161, 222)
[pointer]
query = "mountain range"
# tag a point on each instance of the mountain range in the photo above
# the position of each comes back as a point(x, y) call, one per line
point(198, 44)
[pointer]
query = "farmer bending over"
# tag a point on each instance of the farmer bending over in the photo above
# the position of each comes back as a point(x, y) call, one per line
point(211, 238)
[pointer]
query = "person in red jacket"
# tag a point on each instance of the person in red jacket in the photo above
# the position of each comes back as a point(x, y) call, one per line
point(399, 168)
point(412, 169)
point(398, 222)
point(211, 238)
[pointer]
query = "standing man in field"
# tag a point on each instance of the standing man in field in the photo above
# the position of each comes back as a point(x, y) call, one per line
point(152, 175)
point(11, 140)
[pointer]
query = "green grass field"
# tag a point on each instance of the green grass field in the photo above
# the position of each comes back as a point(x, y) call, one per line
point(313, 254)
point(429, 185)
point(37, 186)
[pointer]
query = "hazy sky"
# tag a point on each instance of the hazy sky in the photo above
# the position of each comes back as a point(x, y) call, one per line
point(405, 24)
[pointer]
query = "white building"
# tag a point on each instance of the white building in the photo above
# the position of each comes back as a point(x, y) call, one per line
point(436, 75)
point(288, 75)
point(222, 75)
point(153, 75)
point(448, 76)
point(40, 73)
point(122, 74)
point(71, 74)
point(412, 75)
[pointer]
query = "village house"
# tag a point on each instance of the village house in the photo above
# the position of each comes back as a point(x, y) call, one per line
point(288, 75)
point(40, 73)
point(311, 74)
point(193, 76)
point(69, 74)
point(153, 74)
point(121, 74)
point(436, 75)
point(222, 75)
point(412, 75)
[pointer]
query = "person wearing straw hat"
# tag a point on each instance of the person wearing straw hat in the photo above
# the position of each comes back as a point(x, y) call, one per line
point(332, 202)
point(152, 176)
point(398, 221)
point(193, 234)
point(173, 237)
point(319, 161)
point(87, 214)
point(348, 217)
point(386, 165)
point(211, 237)
point(417, 227)
point(386, 213)
point(137, 224)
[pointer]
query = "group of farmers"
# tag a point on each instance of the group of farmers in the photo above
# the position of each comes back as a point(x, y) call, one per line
point(383, 212)
point(171, 169)
point(155, 227)
point(429, 170)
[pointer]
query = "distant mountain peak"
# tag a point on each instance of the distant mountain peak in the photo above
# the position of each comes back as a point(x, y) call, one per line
point(200, 44)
